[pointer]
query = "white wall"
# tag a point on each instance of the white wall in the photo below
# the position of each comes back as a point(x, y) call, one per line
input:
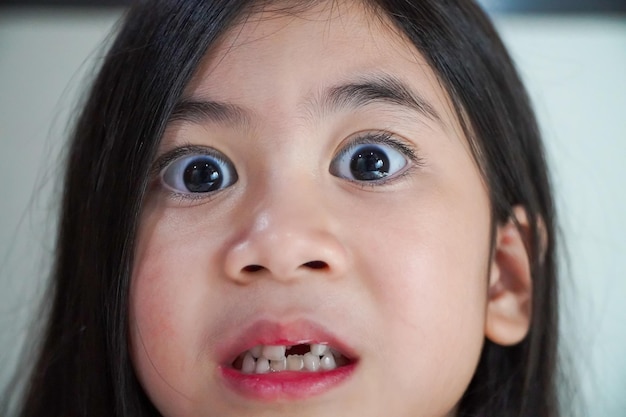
point(44, 56)
point(575, 69)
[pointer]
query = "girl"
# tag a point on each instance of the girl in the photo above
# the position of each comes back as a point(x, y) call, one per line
point(303, 208)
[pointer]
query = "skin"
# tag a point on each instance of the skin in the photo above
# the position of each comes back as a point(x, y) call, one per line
point(408, 282)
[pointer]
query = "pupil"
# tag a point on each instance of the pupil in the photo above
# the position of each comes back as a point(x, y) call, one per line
point(202, 176)
point(369, 164)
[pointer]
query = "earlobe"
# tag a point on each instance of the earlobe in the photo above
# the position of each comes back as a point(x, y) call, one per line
point(509, 300)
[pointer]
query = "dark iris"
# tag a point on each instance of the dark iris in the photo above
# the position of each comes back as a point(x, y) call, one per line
point(370, 163)
point(202, 176)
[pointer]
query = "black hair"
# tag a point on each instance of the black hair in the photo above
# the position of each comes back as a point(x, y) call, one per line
point(83, 365)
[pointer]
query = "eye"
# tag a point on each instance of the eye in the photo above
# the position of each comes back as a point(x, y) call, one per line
point(198, 173)
point(375, 159)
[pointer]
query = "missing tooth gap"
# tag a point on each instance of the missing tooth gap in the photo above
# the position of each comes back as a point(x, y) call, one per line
point(297, 350)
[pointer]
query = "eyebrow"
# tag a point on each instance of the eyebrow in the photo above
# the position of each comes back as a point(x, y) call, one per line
point(201, 111)
point(384, 89)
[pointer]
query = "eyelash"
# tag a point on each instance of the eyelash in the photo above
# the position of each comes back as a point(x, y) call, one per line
point(164, 161)
point(386, 138)
point(364, 138)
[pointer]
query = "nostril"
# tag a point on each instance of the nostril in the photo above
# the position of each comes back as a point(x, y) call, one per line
point(316, 265)
point(252, 268)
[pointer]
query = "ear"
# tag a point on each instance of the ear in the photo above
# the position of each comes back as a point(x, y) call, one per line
point(509, 302)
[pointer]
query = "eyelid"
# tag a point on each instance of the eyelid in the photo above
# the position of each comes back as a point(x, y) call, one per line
point(402, 148)
point(164, 163)
point(384, 137)
point(164, 160)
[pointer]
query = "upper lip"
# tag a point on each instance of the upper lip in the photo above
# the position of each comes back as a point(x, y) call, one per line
point(288, 333)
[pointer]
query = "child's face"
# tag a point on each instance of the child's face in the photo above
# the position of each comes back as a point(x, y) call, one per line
point(346, 212)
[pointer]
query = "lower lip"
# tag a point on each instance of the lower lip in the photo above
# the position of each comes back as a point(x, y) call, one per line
point(286, 385)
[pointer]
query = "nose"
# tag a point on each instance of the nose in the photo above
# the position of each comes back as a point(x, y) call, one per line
point(289, 234)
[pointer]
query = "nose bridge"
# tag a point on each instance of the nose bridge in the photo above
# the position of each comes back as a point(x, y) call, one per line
point(288, 232)
point(291, 198)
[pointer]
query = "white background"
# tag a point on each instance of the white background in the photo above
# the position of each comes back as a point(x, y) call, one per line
point(574, 67)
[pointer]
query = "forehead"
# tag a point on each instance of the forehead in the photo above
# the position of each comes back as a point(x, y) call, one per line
point(294, 54)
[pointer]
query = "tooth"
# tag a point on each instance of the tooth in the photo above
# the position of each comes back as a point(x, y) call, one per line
point(327, 362)
point(280, 365)
point(256, 351)
point(248, 364)
point(335, 353)
point(274, 353)
point(262, 366)
point(318, 350)
point(295, 362)
point(311, 362)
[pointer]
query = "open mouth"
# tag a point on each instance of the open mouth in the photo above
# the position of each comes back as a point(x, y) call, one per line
point(313, 357)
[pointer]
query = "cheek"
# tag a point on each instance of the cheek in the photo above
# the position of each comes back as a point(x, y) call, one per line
point(432, 297)
point(440, 281)
point(169, 297)
point(156, 326)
